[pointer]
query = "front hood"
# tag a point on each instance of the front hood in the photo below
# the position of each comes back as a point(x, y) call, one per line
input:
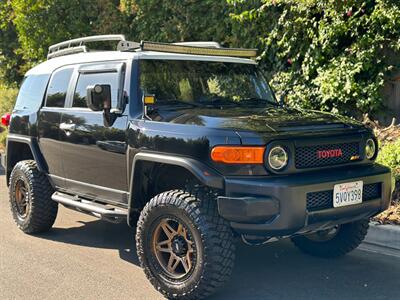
point(272, 119)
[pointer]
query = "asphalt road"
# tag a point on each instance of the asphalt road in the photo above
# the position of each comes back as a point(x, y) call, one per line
point(84, 258)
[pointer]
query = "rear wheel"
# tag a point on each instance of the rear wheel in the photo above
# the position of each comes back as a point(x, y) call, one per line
point(333, 242)
point(185, 248)
point(30, 198)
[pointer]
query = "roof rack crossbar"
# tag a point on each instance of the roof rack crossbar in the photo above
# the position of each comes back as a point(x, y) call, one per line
point(78, 45)
point(66, 51)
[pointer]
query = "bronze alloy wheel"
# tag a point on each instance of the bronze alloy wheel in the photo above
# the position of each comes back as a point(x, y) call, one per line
point(30, 192)
point(174, 248)
point(21, 198)
point(184, 247)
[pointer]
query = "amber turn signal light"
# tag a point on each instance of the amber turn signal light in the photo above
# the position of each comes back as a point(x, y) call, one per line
point(238, 155)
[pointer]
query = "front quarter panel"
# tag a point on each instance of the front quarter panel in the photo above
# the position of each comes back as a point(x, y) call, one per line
point(184, 140)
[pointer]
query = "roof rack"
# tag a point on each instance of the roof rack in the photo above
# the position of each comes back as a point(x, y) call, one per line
point(209, 48)
point(196, 48)
point(78, 45)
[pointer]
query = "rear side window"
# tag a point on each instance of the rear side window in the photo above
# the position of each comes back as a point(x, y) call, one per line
point(31, 93)
point(58, 86)
point(89, 79)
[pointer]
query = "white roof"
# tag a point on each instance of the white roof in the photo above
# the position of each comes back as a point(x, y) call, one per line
point(49, 66)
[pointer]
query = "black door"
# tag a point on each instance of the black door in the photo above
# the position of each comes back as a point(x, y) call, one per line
point(49, 121)
point(94, 153)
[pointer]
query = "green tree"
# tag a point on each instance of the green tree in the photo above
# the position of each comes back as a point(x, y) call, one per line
point(332, 55)
point(10, 57)
point(40, 23)
point(171, 20)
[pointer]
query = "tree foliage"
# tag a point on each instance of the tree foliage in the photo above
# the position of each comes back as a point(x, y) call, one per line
point(10, 60)
point(7, 101)
point(389, 155)
point(332, 55)
point(171, 20)
point(41, 23)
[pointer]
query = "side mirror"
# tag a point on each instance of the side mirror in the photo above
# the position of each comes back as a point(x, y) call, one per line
point(99, 97)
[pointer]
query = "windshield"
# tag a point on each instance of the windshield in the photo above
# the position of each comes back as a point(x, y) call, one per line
point(205, 84)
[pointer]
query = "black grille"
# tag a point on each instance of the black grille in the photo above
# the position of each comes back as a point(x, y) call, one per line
point(307, 157)
point(324, 200)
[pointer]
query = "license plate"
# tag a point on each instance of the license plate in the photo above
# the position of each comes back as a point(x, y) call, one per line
point(348, 193)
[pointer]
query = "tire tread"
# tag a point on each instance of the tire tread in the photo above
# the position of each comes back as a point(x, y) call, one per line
point(348, 238)
point(219, 250)
point(43, 209)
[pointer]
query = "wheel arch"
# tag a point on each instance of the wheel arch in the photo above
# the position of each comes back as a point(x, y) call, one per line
point(22, 148)
point(150, 169)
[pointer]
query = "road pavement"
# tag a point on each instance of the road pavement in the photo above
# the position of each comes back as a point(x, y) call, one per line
point(84, 258)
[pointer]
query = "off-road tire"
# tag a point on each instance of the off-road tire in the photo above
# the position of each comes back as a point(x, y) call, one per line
point(42, 210)
point(198, 209)
point(348, 238)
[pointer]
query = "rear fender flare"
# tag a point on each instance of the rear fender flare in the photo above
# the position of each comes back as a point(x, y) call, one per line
point(35, 150)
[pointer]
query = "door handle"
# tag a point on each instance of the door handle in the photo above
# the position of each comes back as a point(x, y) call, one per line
point(67, 127)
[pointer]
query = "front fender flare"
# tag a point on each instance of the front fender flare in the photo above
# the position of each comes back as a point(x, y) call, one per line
point(206, 175)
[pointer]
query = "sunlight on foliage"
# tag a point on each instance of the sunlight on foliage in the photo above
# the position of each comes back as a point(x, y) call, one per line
point(389, 155)
point(331, 55)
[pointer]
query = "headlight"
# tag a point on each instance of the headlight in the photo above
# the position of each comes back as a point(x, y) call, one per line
point(370, 149)
point(277, 158)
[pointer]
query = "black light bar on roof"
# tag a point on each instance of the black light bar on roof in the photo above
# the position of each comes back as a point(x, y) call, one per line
point(185, 49)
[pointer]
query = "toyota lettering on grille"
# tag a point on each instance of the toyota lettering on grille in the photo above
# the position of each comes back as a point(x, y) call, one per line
point(329, 153)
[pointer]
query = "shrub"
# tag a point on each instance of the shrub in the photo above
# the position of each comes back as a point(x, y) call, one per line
point(7, 101)
point(389, 155)
point(330, 55)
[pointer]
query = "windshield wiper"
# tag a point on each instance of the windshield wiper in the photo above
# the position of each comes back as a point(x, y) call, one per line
point(258, 101)
point(218, 101)
point(222, 101)
point(176, 103)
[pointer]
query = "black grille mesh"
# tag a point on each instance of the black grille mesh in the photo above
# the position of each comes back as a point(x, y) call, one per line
point(306, 157)
point(324, 199)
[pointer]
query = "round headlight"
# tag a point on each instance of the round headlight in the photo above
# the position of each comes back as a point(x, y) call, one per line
point(277, 158)
point(370, 149)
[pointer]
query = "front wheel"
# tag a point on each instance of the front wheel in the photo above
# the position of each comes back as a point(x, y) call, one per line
point(334, 242)
point(185, 248)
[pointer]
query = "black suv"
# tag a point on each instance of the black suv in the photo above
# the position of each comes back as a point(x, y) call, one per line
point(188, 143)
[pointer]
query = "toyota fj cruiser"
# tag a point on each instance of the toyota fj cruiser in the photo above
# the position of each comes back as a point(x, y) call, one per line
point(188, 143)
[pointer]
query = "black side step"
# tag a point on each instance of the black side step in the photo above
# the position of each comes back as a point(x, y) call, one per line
point(99, 210)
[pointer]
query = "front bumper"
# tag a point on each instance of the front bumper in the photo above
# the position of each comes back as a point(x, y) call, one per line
point(277, 206)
